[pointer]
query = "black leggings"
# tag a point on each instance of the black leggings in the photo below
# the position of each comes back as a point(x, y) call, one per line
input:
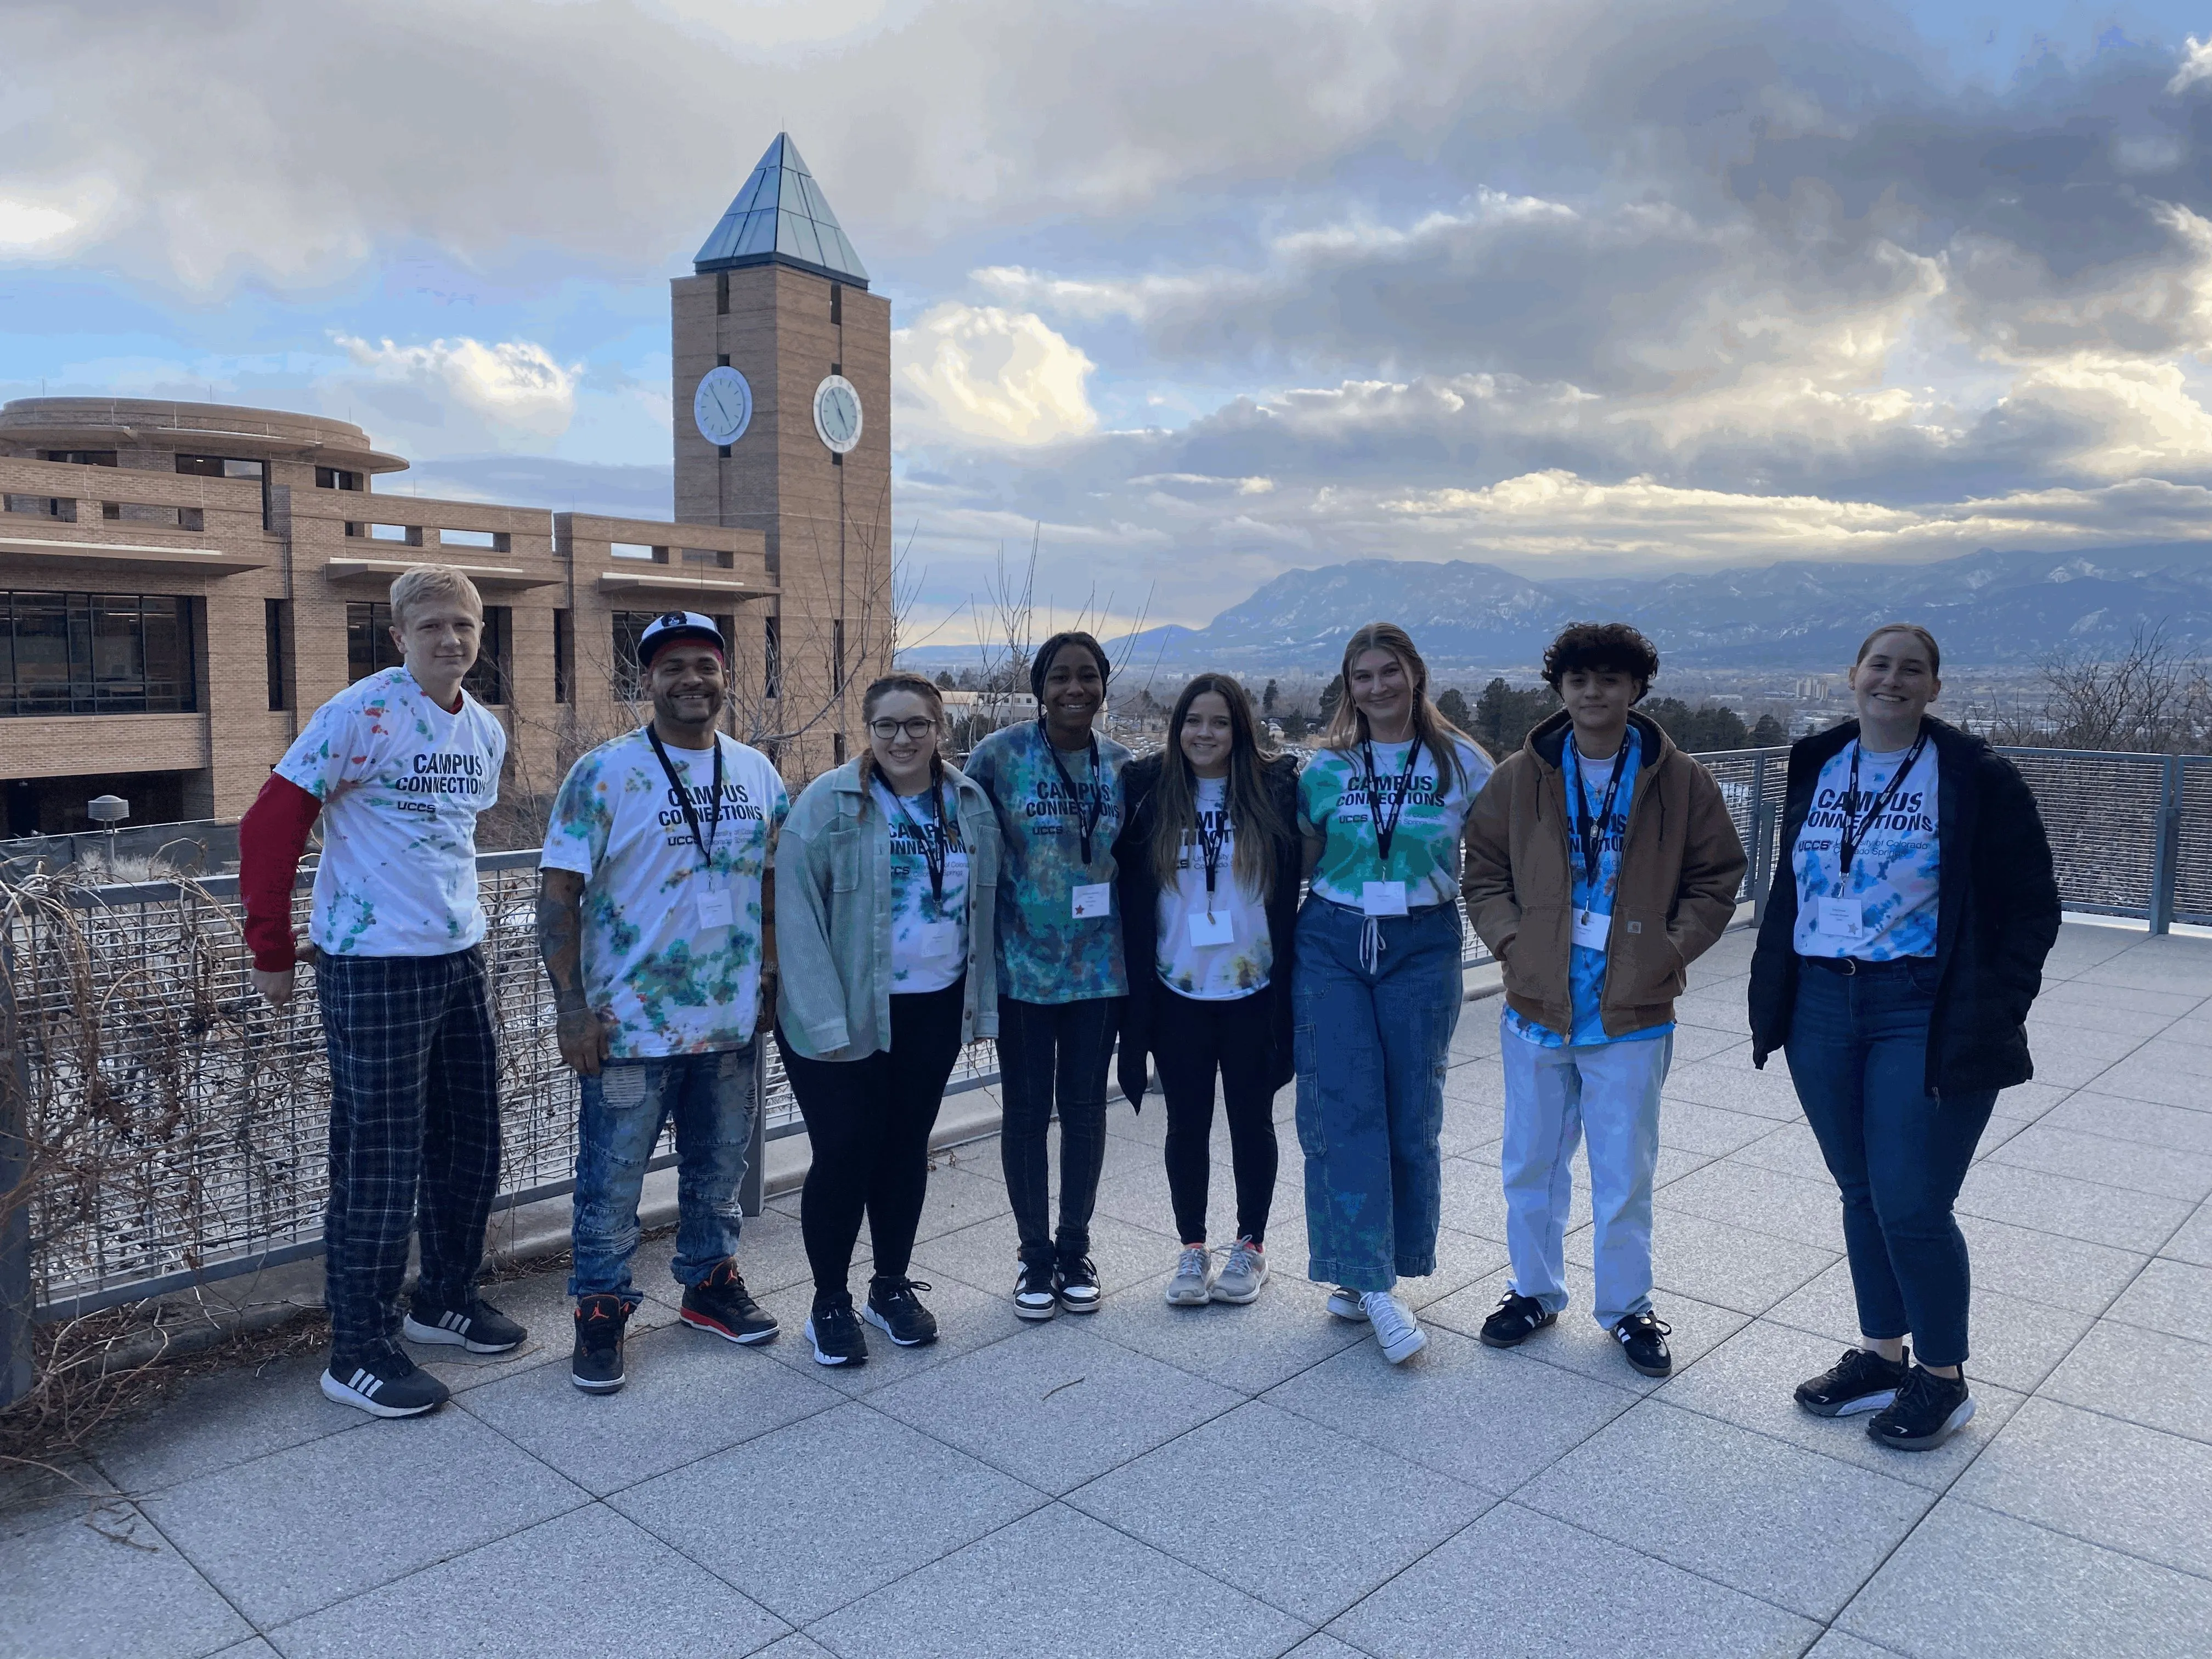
point(1193, 1040)
point(1052, 1057)
point(869, 1121)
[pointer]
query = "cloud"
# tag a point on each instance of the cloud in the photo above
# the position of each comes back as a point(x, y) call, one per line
point(463, 394)
point(2195, 66)
point(989, 375)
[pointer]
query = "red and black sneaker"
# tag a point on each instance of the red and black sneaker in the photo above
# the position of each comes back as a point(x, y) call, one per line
point(720, 1302)
point(596, 1366)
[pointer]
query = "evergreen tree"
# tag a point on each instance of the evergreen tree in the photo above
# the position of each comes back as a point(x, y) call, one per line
point(1267, 699)
point(1769, 734)
point(944, 680)
point(1453, 707)
point(1504, 717)
point(1332, 695)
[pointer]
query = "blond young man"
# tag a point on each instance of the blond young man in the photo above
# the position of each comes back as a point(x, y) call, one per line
point(397, 766)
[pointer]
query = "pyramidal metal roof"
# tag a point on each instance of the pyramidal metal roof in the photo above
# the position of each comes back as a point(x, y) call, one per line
point(781, 217)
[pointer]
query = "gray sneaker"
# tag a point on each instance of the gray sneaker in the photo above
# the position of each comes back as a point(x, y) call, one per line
point(1243, 1274)
point(1347, 1304)
point(1190, 1288)
point(1395, 1327)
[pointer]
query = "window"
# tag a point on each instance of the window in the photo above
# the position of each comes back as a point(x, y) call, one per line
point(837, 748)
point(369, 647)
point(79, 457)
point(838, 304)
point(219, 466)
point(722, 293)
point(564, 656)
point(332, 478)
point(96, 653)
point(837, 655)
point(45, 507)
point(273, 629)
point(629, 625)
point(772, 658)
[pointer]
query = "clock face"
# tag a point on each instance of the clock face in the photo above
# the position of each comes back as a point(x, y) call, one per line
point(837, 414)
point(722, 406)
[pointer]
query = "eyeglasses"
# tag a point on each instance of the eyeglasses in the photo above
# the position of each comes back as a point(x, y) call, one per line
point(917, 728)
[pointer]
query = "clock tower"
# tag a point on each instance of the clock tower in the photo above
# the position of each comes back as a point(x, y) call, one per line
point(781, 366)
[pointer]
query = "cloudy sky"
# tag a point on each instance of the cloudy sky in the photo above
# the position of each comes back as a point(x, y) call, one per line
point(1206, 292)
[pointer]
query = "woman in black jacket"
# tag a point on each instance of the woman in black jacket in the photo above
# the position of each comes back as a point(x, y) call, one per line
point(1895, 967)
point(1208, 870)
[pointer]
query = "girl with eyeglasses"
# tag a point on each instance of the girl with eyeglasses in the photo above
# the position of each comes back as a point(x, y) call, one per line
point(1376, 993)
point(886, 891)
point(1208, 861)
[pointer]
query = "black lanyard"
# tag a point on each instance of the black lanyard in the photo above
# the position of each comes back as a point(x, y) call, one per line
point(935, 848)
point(1209, 847)
point(1855, 830)
point(1087, 816)
point(705, 843)
point(1591, 830)
point(1386, 829)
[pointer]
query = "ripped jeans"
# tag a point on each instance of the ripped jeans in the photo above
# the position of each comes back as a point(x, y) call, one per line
point(711, 1098)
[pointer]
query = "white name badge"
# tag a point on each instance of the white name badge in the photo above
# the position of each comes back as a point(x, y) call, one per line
point(1215, 929)
point(1383, 898)
point(1841, 918)
point(936, 939)
point(1092, 899)
point(717, 908)
point(1591, 927)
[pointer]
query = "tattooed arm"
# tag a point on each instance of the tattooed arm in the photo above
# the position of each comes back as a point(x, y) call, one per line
point(582, 1033)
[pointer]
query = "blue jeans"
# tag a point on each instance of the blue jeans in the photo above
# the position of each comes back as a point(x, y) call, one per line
point(711, 1097)
point(1372, 1046)
point(1858, 1054)
point(1607, 1094)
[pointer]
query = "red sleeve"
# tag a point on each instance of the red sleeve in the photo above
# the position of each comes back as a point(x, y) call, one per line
point(270, 838)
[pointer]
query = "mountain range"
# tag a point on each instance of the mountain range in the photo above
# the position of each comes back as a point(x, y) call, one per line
point(1989, 609)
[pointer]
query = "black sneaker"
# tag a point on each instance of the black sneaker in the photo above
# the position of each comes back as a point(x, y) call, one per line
point(1076, 1285)
point(720, 1302)
point(895, 1309)
point(1643, 1339)
point(387, 1385)
point(596, 1366)
point(479, 1328)
point(1034, 1295)
point(1929, 1410)
point(1515, 1319)
point(835, 1330)
point(1861, 1381)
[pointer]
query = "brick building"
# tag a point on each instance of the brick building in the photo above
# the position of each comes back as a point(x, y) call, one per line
point(180, 583)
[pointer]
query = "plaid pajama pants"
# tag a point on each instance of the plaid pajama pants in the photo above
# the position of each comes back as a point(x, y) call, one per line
point(414, 1135)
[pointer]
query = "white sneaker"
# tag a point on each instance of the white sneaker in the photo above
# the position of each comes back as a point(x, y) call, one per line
point(1191, 1286)
point(1243, 1274)
point(1395, 1327)
point(1347, 1305)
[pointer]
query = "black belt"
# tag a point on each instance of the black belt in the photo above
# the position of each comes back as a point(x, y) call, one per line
point(1849, 966)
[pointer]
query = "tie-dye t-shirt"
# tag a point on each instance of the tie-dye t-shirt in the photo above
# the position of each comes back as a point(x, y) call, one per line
point(401, 781)
point(1211, 973)
point(1425, 847)
point(676, 982)
point(929, 930)
point(1892, 882)
point(1045, 955)
point(1586, 966)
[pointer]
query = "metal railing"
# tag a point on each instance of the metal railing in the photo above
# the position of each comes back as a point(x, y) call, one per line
point(196, 1116)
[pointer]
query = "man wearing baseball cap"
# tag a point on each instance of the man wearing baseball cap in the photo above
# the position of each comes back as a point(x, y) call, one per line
point(652, 920)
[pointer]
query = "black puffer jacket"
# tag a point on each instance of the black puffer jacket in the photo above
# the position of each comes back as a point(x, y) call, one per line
point(1999, 913)
point(1137, 892)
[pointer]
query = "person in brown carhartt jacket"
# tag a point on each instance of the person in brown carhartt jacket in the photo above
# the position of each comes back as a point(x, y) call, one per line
point(1601, 862)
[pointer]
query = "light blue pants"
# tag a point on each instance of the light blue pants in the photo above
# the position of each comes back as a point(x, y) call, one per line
point(1607, 1094)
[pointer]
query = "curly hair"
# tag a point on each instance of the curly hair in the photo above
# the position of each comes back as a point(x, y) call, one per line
point(1598, 646)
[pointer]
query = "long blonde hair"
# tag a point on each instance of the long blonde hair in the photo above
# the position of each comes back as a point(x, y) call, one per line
point(1251, 810)
point(1348, 725)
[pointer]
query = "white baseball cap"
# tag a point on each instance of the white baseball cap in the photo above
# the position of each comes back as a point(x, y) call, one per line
point(670, 626)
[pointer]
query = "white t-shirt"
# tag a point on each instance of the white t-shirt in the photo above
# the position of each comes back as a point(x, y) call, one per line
point(929, 929)
point(401, 781)
point(1238, 955)
point(1888, 906)
point(671, 944)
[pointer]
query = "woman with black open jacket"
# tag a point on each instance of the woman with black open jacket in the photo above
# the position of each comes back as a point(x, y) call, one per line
point(1208, 867)
point(1900, 950)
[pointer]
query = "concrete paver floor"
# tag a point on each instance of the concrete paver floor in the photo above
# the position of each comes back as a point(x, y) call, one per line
point(1257, 1481)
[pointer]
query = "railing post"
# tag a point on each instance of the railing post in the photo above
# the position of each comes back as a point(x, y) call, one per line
point(751, 1189)
point(15, 1204)
point(2165, 847)
point(1762, 860)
